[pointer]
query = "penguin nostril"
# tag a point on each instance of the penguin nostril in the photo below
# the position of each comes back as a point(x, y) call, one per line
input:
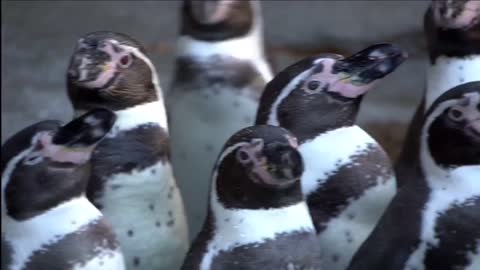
point(73, 73)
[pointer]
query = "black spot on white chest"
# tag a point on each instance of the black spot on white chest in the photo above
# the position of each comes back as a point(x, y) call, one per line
point(287, 251)
point(457, 229)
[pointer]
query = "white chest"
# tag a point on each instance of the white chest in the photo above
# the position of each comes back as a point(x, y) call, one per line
point(27, 237)
point(200, 123)
point(329, 151)
point(106, 260)
point(449, 72)
point(344, 233)
point(146, 210)
point(238, 227)
point(455, 189)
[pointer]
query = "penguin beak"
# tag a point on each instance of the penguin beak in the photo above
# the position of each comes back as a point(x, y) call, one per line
point(370, 64)
point(74, 142)
point(86, 130)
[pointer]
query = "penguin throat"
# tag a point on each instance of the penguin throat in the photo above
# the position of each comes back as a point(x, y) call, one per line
point(448, 72)
point(249, 47)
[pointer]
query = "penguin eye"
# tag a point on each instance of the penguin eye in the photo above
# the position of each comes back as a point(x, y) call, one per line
point(33, 159)
point(126, 61)
point(243, 156)
point(313, 85)
point(455, 114)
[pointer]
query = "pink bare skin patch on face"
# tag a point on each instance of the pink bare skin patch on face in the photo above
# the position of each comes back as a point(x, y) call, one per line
point(454, 15)
point(340, 83)
point(60, 153)
point(467, 111)
point(251, 155)
point(211, 12)
point(120, 57)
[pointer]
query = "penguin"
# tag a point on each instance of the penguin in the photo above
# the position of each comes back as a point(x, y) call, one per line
point(257, 217)
point(221, 70)
point(432, 223)
point(132, 180)
point(452, 30)
point(348, 180)
point(47, 221)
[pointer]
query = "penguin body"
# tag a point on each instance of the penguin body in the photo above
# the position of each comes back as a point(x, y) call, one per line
point(221, 70)
point(348, 179)
point(433, 220)
point(47, 222)
point(132, 179)
point(257, 217)
point(454, 52)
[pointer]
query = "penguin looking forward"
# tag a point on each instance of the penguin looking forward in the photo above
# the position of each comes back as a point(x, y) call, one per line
point(433, 222)
point(47, 222)
point(132, 181)
point(221, 70)
point(257, 217)
point(452, 30)
point(348, 179)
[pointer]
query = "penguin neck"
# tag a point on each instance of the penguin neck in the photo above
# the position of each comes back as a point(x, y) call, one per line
point(249, 47)
point(257, 225)
point(52, 224)
point(151, 113)
point(460, 178)
point(447, 72)
point(333, 154)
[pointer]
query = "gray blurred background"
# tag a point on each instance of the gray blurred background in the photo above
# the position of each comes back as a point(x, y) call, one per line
point(38, 38)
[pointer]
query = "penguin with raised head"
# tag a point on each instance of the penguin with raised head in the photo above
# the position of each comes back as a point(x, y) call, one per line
point(452, 30)
point(47, 221)
point(257, 218)
point(432, 223)
point(221, 71)
point(348, 180)
point(132, 179)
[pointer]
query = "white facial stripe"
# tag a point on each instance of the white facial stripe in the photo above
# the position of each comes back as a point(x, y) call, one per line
point(236, 227)
point(448, 72)
point(427, 161)
point(448, 187)
point(137, 53)
point(83, 71)
point(7, 172)
point(273, 116)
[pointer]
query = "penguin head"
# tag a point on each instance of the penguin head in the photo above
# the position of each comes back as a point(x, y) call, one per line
point(216, 20)
point(259, 167)
point(456, 14)
point(452, 28)
point(451, 131)
point(325, 91)
point(46, 163)
point(110, 70)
